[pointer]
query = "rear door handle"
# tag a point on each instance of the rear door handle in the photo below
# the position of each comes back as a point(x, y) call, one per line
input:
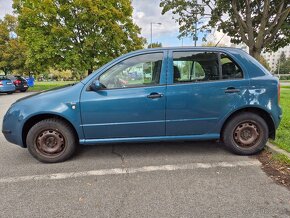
point(232, 90)
point(154, 95)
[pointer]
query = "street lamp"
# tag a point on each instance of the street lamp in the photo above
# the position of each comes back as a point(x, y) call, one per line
point(151, 25)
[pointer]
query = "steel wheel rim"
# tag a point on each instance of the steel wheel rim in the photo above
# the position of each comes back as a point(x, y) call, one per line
point(247, 134)
point(50, 143)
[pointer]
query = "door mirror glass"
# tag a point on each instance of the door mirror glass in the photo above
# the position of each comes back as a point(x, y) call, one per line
point(96, 85)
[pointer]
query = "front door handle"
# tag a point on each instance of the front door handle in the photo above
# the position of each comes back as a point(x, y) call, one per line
point(154, 95)
point(232, 90)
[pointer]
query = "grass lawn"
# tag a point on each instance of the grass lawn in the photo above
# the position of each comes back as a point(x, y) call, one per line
point(40, 86)
point(283, 134)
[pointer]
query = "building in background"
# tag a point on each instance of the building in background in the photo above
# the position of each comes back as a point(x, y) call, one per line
point(273, 57)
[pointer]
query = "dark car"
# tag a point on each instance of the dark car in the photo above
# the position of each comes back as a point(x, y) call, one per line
point(6, 85)
point(190, 94)
point(19, 82)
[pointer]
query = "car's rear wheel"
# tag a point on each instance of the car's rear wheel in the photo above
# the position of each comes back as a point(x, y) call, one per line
point(51, 141)
point(23, 90)
point(246, 133)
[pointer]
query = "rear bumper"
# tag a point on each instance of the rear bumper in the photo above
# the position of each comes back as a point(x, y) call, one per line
point(7, 89)
point(21, 87)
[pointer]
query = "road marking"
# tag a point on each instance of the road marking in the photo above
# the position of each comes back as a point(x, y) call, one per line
point(118, 171)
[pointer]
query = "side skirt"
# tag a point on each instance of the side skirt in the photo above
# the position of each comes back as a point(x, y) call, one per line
point(151, 139)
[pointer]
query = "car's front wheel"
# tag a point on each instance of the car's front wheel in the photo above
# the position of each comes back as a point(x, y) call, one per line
point(51, 141)
point(246, 133)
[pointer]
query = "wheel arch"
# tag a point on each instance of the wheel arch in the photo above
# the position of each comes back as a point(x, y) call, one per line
point(260, 112)
point(37, 118)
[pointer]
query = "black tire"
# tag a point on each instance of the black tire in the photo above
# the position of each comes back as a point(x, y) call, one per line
point(23, 90)
point(51, 141)
point(246, 134)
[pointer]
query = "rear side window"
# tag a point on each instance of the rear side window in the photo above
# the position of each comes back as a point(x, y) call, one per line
point(195, 66)
point(204, 66)
point(230, 70)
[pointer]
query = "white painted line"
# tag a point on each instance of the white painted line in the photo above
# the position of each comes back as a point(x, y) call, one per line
point(118, 171)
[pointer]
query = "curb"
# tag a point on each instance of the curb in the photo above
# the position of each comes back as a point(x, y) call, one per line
point(275, 149)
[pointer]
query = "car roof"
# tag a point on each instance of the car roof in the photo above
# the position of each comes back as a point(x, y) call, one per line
point(200, 48)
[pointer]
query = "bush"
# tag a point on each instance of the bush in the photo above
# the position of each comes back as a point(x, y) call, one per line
point(282, 77)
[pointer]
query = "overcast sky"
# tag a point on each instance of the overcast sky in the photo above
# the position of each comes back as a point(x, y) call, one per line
point(145, 12)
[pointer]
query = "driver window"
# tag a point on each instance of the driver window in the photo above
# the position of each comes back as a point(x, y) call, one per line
point(142, 70)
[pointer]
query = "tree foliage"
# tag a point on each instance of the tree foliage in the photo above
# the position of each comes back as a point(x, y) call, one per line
point(282, 57)
point(76, 34)
point(12, 49)
point(155, 45)
point(261, 25)
point(284, 67)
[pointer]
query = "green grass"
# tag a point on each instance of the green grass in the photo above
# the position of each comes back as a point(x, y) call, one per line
point(283, 133)
point(285, 87)
point(41, 86)
point(281, 158)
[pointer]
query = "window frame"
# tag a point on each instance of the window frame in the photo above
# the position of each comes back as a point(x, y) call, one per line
point(163, 70)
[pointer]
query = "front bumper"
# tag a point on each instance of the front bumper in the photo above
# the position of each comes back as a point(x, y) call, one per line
point(12, 126)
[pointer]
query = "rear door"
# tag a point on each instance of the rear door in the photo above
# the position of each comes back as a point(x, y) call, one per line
point(203, 88)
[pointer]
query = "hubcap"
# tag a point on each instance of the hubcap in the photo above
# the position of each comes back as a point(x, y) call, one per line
point(246, 134)
point(50, 143)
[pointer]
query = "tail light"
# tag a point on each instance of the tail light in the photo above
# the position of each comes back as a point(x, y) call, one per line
point(17, 82)
point(279, 88)
point(1, 84)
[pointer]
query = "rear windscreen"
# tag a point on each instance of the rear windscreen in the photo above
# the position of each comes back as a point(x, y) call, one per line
point(3, 78)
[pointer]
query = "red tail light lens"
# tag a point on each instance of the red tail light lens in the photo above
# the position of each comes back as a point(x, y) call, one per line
point(17, 82)
point(1, 84)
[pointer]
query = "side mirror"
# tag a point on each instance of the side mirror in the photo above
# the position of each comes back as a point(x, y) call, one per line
point(97, 85)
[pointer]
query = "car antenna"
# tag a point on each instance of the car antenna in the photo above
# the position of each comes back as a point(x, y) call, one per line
point(220, 40)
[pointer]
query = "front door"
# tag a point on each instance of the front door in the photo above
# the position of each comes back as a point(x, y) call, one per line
point(132, 102)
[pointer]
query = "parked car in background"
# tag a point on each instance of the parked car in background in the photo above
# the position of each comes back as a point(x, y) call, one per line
point(6, 85)
point(19, 82)
point(190, 93)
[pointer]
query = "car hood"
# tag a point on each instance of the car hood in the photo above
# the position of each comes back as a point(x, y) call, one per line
point(63, 93)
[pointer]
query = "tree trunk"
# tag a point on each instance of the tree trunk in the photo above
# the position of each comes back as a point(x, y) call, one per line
point(256, 53)
point(90, 71)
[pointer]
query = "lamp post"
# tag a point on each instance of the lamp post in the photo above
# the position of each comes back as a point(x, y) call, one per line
point(151, 27)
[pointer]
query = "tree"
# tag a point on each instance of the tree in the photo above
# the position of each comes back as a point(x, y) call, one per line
point(264, 62)
point(284, 67)
point(261, 25)
point(78, 34)
point(155, 45)
point(282, 57)
point(12, 49)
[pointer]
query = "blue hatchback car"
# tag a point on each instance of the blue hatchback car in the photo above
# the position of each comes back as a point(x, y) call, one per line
point(6, 85)
point(184, 94)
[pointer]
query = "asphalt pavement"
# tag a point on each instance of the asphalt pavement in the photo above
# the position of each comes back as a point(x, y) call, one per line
point(177, 179)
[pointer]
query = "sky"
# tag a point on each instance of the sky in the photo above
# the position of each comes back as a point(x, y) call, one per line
point(145, 12)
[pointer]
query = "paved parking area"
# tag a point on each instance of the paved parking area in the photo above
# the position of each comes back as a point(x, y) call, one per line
point(184, 179)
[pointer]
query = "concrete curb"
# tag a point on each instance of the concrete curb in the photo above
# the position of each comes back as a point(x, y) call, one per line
point(275, 149)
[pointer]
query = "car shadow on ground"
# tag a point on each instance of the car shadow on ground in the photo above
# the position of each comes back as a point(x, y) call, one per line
point(152, 149)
